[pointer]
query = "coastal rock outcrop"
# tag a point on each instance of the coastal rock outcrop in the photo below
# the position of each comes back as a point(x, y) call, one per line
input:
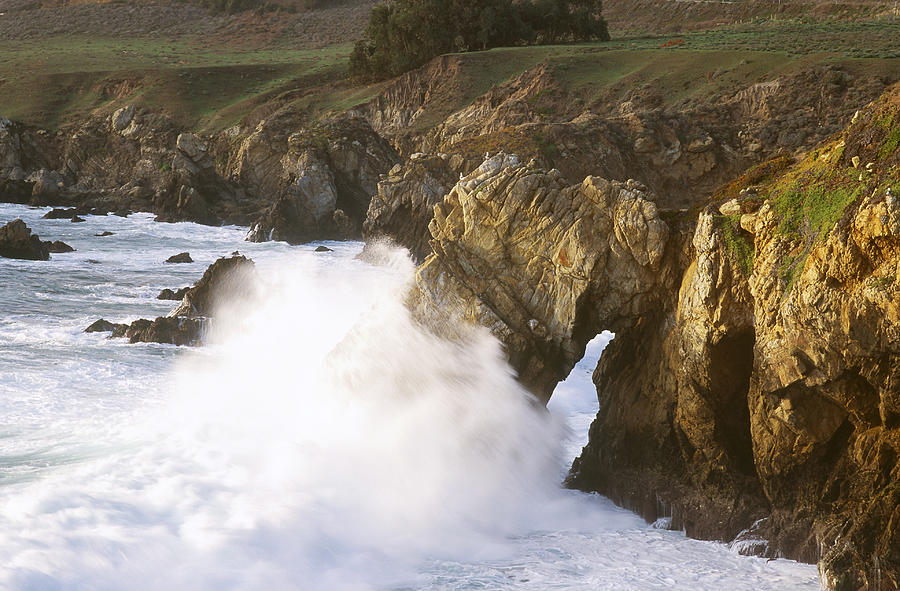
point(681, 150)
point(174, 295)
point(181, 257)
point(293, 181)
point(17, 242)
point(404, 204)
point(539, 261)
point(751, 390)
point(227, 282)
point(323, 177)
point(167, 330)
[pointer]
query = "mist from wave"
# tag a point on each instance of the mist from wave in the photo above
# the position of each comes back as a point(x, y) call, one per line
point(322, 440)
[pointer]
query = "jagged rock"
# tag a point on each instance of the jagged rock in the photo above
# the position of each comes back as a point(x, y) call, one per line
point(766, 389)
point(324, 183)
point(404, 204)
point(17, 242)
point(175, 295)
point(192, 146)
point(182, 257)
point(58, 246)
point(303, 212)
point(166, 330)
point(122, 118)
point(105, 326)
point(228, 279)
point(754, 377)
point(60, 214)
point(730, 207)
point(76, 219)
point(532, 257)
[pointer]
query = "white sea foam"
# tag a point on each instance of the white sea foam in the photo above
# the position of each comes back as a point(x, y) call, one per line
point(322, 442)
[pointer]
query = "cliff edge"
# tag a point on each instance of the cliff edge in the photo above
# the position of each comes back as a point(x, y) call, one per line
point(752, 392)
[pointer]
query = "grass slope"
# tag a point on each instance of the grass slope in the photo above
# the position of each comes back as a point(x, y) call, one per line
point(52, 80)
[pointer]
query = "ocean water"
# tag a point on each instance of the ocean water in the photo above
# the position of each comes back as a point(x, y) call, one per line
point(322, 441)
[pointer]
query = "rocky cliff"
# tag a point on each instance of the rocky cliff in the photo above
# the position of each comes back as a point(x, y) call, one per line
point(751, 392)
point(635, 128)
point(293, 182)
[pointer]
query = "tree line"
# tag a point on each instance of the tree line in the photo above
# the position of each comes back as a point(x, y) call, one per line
point(404, 34)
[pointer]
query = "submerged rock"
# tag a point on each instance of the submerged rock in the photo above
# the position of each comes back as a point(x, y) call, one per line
point(182, 257)
point(17, 242)
point(102, 325)
point(60, 214)
point(323, 249)
point(58, 246)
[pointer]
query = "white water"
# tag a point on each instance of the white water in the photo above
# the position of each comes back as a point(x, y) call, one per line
point(322, 443)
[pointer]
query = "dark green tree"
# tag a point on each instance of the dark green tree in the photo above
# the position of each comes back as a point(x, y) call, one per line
point(404, 34)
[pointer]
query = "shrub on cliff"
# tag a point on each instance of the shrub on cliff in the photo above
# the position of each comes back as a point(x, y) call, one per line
point(404, 34)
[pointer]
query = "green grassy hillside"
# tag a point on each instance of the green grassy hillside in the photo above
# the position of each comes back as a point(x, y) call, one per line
point(212, 82)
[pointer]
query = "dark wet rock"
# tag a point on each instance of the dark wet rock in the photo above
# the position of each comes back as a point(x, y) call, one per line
point(175, 295)
point(166, 330)
point(77, 219)
point(182, 257)
point(227, 280)
point(323, 249)
point(17, 242)
point(104, 233)
point(232, 279)
point(104, 326)
point(15, 191)
point(60, 213)
point(58, 246)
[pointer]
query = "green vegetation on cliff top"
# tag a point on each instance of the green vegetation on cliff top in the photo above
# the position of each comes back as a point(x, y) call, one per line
point(810, 198)
point(49, 81)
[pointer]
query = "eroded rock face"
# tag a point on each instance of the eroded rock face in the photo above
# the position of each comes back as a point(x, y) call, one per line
point(17, 242)
point(682, 151)
point(404, 204)
point(324, 178)
point(538, 260)
point(296, 181)
point(755, 373)
point(773, 388)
